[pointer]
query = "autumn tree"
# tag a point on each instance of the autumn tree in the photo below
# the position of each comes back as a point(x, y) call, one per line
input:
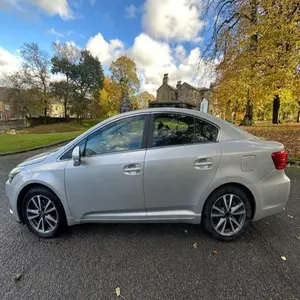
point(124, 72)
point(256, 44)
point(110, 98)
point(35, 72)
point(144, 98)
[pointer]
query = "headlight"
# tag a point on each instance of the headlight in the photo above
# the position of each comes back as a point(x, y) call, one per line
point(14, 172)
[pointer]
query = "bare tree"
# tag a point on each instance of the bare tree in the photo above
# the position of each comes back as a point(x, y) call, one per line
point(36, 66)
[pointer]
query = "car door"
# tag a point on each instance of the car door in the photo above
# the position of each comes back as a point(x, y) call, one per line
point(108, 184)
point(181, 160)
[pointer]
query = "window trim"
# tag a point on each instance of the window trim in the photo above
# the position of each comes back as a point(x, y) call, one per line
point(85, 137)
point(151, 130)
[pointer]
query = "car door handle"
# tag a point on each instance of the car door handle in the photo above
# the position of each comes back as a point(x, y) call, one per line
point(204, 163)
point(132, 169)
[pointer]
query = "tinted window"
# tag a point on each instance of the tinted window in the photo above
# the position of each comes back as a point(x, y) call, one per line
point(205, 132)
point(173, 129)
point(123, 135)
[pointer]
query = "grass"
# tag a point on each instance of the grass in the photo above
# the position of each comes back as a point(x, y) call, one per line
point(43, 135)
point(17, 142)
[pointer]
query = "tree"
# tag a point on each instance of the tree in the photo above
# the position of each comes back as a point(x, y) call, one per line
point(35, 68)
point(124, 72)
point(23, 99)
point(256, 43)
point(144, 98)
point(65, 57)
point(110, 98)
point(87, 77)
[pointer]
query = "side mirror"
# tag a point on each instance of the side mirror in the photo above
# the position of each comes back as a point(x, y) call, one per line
point(76, 156)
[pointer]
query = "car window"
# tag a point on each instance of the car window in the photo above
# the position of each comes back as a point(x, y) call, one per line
point(205, 132)
point(173, 129)
point(122, 135)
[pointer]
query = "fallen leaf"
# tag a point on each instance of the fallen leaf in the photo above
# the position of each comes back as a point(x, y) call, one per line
point(297, 237)
point(214, 252)
point(118, 292)
point(283, 258)
point(186, 231)
point(195, 246)
point(291, 217)
point(267, 223)
point(18, 277)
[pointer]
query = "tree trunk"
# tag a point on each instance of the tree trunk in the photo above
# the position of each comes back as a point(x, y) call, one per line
point(248, 118)
point(276, 106)
point(45, 112)
point(298, 117)
point(65, 110)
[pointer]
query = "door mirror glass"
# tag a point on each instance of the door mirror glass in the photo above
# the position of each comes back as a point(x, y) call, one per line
point(76, 156)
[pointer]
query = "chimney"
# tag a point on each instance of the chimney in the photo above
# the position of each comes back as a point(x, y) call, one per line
point(178, 85)
point(166, 79)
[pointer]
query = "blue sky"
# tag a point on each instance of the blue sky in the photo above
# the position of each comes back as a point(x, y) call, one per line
point(162, 36)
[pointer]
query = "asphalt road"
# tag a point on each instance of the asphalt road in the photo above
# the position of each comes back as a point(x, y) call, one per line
point(154, 261)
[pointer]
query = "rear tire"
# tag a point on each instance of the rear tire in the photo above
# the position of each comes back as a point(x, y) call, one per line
point(43, 213)
point(227, 213)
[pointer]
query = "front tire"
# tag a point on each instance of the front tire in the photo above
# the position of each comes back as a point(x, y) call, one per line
point(227, 213)
point(43, 213)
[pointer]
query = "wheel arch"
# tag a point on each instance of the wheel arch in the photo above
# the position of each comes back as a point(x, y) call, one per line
point(25, 190)
point(242, 187)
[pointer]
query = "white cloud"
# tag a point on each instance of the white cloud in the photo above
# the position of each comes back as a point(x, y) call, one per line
point(173, 20)
point(51, 7)
point(155, 58)
point(148, 52)
point(54, 32)
point(59, 34)
point(105, 51)
point(9, 62)
point(131, 11)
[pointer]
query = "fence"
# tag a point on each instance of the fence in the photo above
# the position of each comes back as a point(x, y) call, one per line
point(12, 124)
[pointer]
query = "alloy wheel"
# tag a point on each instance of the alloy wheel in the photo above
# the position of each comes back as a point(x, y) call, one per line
point(42, 214)
point(228, 215)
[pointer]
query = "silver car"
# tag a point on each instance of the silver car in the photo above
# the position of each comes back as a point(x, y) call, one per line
point(153, 165)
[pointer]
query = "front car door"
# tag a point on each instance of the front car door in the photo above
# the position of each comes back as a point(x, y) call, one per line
point(108, 184)
point(181, 160)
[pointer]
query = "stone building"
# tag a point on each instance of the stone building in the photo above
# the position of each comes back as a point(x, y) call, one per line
point(200, 98)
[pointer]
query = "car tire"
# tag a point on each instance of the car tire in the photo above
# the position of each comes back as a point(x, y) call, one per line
point(222, 220)
point(43, 213)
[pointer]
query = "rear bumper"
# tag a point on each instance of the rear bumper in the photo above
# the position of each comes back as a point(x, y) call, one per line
point(271, 195)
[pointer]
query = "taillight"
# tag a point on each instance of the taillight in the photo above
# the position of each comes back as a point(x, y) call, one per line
point(280, 159)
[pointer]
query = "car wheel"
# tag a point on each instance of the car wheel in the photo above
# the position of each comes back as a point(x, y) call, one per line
point(227, 213)
point(43, 213)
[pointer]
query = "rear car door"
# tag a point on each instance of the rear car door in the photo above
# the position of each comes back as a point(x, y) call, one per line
point(182, 157)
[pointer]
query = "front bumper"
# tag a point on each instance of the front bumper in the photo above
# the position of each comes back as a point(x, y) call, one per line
point(271, 195)
point(12, 197)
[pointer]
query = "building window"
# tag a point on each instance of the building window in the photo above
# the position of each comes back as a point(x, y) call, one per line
point(6, 106)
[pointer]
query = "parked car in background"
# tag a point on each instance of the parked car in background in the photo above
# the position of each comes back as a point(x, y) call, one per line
point(153, 165)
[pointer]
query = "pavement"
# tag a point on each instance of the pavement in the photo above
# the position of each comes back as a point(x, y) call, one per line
point(150, 261)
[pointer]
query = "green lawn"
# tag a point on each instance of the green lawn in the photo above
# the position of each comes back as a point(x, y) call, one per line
point(17, 142)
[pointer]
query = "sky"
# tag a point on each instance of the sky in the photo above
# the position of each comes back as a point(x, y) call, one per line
point(162, 36)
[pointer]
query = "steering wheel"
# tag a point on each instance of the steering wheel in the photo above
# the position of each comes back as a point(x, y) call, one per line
point(126, 146)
